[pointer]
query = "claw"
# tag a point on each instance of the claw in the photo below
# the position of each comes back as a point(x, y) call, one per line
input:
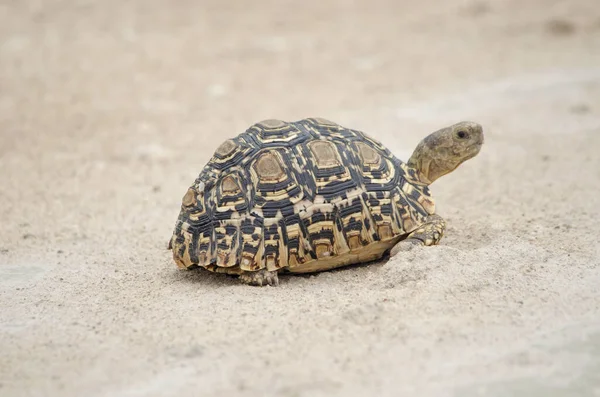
point(260, 278)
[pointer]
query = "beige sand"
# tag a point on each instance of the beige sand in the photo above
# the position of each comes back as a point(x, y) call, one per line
point(108, 112)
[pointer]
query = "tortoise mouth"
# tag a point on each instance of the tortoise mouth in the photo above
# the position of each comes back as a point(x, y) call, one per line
point(474, 149)
point(481, 139)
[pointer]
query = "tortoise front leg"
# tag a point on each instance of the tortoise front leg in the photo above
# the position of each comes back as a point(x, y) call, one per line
point(429, 233)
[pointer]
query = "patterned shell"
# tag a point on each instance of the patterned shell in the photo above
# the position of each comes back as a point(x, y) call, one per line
point(306, 196)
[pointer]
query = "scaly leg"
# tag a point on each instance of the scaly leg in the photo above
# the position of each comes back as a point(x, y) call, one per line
point(259, 278)
point(429, 233)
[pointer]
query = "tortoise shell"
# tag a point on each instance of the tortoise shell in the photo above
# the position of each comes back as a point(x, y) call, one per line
point(302, 196)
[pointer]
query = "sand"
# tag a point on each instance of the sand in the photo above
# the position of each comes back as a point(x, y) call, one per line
point(109, 110)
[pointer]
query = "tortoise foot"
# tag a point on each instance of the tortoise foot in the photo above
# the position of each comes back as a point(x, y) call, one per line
point(430, 233)
point(259, 278)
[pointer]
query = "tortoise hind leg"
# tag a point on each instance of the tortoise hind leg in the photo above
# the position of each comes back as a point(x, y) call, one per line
point(259, 277)
point(429, 233)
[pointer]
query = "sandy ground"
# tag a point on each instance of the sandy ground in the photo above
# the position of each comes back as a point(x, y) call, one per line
point(109, 110)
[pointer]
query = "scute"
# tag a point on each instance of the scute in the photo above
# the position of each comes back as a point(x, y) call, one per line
point(368, 155)
point(276, 133)
point(230, 198)
point(268, 166)
point(275, 185)
point(227, 234)
point(189, 198)
point(272, 123)
point(226, 148)
point(229, 185)
point(228, 154)
point(252, 246)
point(323, 121)
point(325, 154)
point(306, 195)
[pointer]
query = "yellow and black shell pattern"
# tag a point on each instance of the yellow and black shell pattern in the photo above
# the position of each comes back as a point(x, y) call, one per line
point(296, 196)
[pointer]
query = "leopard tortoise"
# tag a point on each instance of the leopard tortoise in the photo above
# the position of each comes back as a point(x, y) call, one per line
point(311, 195)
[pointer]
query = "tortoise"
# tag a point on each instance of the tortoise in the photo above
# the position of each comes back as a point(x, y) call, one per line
point(311, 195)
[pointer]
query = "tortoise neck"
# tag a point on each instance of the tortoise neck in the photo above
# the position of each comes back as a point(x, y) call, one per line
point(414, 176)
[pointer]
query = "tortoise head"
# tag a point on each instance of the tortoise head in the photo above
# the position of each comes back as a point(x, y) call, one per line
point(446, 149)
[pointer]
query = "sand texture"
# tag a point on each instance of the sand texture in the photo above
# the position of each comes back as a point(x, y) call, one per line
point(109, 110)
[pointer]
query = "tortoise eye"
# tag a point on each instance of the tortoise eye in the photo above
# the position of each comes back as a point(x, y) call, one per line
point(462, 135)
